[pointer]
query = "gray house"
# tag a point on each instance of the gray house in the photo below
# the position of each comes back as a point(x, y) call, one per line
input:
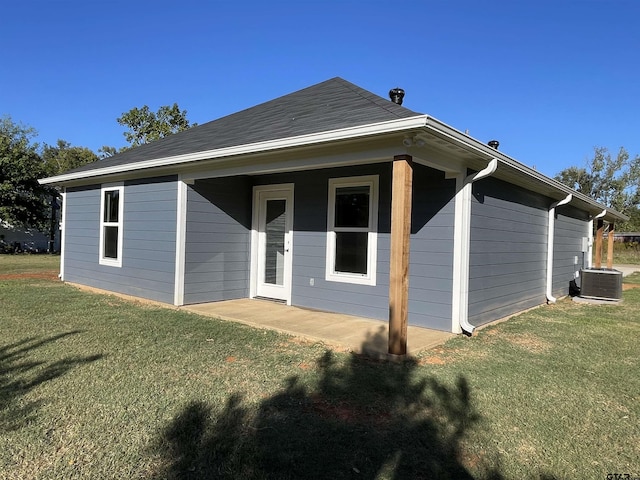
point(331, 198)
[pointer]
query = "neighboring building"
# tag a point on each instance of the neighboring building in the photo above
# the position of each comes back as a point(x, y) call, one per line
point(14, 239)
point(331, 198)
point(630, 239)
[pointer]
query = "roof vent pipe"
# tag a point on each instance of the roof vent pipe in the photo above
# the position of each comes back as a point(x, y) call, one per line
point(494, 144)
point(396, 95)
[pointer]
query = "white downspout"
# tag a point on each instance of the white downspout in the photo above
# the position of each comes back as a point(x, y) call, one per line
point(550, 237)
point(462, 240)
point(590, 237)
point(63, 229)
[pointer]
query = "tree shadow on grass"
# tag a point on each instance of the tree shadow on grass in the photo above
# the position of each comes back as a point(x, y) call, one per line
point(361, 419)
point(19, 375)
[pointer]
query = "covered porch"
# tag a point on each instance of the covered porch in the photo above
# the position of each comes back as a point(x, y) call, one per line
point(352, 333)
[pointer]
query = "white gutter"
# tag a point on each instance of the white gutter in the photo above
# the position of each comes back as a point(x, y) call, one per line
point(462, 246)
point(590, 236)
point(289, 142)
point(550, 239)
point(479, 147)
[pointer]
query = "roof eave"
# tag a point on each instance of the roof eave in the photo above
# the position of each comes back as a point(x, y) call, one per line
point(393, 126)
point(380, 128)
point(489, 153)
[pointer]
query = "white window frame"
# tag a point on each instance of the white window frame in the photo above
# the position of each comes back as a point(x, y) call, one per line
point(331, 275)
point(112, 262)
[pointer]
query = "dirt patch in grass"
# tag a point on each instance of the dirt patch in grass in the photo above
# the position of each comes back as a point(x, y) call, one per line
point(629, 286)
point(449, 355)
point(433, 360)
point(52, 275)
point(528, 341)
point(435, 357)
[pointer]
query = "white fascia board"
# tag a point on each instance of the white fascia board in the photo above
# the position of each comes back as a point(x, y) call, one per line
point(486, 151)
point(301, 140)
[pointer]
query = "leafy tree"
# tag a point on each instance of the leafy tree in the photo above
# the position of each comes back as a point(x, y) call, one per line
point(23, 201)
point(613, 181)
point(63, 157)
point(146, 126)
point(106, 151)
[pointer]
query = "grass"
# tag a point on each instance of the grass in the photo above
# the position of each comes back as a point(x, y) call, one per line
point(95, 387)
point(29, 264)
point(623, 253)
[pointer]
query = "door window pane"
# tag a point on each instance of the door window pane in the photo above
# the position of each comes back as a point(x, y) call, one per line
point(274, 252)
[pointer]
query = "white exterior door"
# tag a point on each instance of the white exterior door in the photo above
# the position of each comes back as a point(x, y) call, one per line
point(271, 244)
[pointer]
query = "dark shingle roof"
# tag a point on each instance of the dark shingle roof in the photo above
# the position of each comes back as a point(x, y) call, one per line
point(330, 105)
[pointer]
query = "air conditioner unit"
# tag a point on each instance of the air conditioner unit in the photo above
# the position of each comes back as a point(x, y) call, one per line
point(601, 284)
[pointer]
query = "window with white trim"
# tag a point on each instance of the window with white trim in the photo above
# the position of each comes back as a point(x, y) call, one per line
point(352, 230)
point(111, 208)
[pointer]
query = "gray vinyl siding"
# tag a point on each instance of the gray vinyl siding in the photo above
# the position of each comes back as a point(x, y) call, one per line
point(571, 226)
point(310, 243)
point(431, 257)
point(149, 234)
point(218, 240)
point(507, 264)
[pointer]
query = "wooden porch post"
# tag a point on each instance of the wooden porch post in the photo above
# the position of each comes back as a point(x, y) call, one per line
point(599, 243)
point(610, 246)
point(401, 192)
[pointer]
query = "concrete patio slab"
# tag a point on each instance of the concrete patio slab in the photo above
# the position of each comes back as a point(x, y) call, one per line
point(348, 332)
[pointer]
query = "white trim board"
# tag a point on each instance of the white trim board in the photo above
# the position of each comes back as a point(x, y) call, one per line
point(181, 237)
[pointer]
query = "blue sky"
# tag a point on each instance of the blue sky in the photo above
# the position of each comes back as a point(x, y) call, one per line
point(549, 79)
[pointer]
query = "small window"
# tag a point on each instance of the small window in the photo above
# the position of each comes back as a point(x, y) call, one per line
point(111, 206)
point(352, 230)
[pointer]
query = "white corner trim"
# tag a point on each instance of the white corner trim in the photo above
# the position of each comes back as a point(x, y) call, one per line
point(297, 141)
point(181, 237)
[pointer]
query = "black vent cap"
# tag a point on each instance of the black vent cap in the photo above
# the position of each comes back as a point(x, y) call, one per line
point(396, 95)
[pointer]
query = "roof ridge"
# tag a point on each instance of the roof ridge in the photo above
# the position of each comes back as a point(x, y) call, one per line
point(377, 100)
point(332, 104)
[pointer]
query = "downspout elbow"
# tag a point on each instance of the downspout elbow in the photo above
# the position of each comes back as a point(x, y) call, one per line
point(550, 241)
point(485, 172)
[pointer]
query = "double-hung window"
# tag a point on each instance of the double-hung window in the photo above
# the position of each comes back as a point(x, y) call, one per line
point(111, 208)
point(352, 224)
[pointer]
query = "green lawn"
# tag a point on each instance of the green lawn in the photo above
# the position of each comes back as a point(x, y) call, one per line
point(19, 264)
point(94, 387)
point(623, 253)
